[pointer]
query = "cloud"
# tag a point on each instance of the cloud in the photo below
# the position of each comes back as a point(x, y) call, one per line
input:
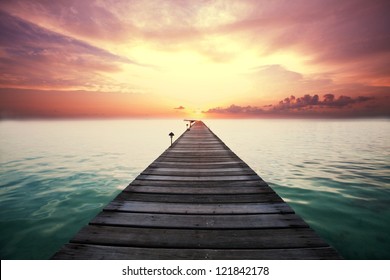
point(86, 19)
point(312, 105)
point(276, 72)
point(307, 101)
point(35, 57)
point(234, 109)
point(118, 21)
point(276, 79)
point(179, 108)
point(347, 38)
point(326, 27)
point(330, 31)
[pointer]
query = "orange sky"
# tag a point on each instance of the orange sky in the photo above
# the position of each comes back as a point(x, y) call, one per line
point(194, 58)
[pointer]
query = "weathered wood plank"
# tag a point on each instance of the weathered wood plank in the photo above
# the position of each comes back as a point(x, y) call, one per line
point(233, 184)
point(209, 208)
point(98, 252)
point(198, 172)
point(199, 238)
point(198, 221)
point(195, 160)
point(173, 164)
point(205, 164)
point(196, 190)
point(199, 198)
point(199, 148)
point(198, 178)
point(204, 160)
point(198, 152)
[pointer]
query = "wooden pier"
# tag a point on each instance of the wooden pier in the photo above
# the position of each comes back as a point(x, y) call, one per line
point(198, 200)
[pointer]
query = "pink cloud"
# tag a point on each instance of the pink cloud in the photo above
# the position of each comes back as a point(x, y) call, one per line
point(36, 57)
point(331, 30)
point(76, 17)
point(313, 106)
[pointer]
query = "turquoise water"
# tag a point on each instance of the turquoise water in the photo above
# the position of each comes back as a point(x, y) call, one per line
point(56, 175)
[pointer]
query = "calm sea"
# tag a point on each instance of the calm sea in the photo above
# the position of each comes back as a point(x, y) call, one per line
point(56, 175)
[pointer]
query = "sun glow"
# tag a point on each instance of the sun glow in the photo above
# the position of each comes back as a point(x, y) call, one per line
point(196, 114)
point(187, 76)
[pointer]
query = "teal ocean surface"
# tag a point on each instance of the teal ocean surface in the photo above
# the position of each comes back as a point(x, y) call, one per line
point(56, 175)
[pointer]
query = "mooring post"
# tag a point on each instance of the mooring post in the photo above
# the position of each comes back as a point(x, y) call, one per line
point(171, 135)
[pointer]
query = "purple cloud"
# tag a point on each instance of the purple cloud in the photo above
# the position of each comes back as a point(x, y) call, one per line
point(308, 101)
point(37, 57)
point(312, 105)
point(234, 109)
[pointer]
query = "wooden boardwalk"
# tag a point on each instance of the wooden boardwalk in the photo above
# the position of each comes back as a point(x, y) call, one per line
point(198, 200)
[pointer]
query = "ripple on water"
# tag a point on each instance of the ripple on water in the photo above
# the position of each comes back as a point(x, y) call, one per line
point(345, 213)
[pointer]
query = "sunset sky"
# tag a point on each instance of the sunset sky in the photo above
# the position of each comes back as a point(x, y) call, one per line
point(194, 59)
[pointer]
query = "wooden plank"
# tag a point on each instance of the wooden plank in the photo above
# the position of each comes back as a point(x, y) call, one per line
point(197, 151)
point(198, 163)
point(209, 208)
point(199, 178)
point(233, 184)
point(199, 198)
point(198, 172)
point(195, 154)
point(197, 190)
point(205, 164)
point(199, 148)
point(199, 238)
point(198, 221)
point(193, 160)
point(98, 252)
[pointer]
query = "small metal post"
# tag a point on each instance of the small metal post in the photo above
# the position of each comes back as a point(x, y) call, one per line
point(171, 135)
